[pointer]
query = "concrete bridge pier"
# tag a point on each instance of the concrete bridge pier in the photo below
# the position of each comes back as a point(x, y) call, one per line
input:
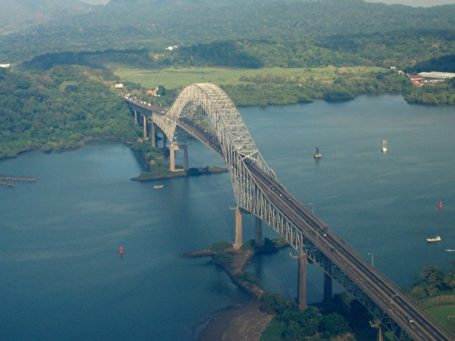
point(377, 325)
point(328, 290)
point(380, 334)
point(135, 118)
point(301, 281)
point(173, 149)
point(238, 229)
point(144, 126)
point(152, 134)
point(259, 241)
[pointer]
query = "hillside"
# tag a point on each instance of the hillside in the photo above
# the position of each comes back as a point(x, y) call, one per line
point(156, 24)
point(20, 15)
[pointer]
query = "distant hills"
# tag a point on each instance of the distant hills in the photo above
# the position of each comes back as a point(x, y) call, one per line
point(19, 15)
point(155, 24)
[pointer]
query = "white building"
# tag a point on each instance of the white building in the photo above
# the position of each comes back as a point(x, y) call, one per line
point(171, 48)
point(437, 75)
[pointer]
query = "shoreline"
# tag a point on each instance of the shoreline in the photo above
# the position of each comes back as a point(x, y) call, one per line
point(86, 140)
point(240, 322)
point(244, 321)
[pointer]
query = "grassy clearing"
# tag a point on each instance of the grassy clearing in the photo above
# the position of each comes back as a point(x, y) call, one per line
point(172, 78)
point(445, 315)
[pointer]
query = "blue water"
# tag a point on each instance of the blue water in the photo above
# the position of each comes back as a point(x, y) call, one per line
point(61, 276)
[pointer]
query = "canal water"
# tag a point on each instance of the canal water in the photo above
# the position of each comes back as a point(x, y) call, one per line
point(61, 275)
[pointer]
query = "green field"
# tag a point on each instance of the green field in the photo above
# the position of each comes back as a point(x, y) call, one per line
point(445, 315)
point(173, 78)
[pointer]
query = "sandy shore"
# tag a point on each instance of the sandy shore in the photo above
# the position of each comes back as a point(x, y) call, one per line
point(245, 322)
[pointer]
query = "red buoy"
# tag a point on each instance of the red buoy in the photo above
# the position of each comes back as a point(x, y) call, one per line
point(121, 250)
point(440, 205)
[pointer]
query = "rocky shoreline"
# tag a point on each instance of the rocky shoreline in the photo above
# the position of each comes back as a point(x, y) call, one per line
point(243, 322)
point(246, 321)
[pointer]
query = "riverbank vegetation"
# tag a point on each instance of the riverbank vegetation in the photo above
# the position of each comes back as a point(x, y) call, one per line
point(59, 109)
point(432, 282)
point(433, 94)
point(435, 292)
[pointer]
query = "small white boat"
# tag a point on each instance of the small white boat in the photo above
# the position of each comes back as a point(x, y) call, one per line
point(384, 146)
point(435, 239)
point(317, 154)
point(158, 186)
point(450, 250)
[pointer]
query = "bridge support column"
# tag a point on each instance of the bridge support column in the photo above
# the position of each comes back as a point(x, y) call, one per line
point(152, 134)
point(144, 126)
point(380, 334)
point(135, 118)
point(238, 229)
point(301, 282)
point(258, 232)
point(328, 291)
point(172, 149)
point(376, 324)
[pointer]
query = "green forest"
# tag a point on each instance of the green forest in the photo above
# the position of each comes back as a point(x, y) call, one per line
point(154, 24)
point(59, 109)
point(434, 289)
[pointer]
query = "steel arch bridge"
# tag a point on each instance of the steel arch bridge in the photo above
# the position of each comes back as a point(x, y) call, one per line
point(207, 113)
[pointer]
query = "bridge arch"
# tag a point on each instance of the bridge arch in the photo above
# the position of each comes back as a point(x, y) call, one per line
point(223, 118)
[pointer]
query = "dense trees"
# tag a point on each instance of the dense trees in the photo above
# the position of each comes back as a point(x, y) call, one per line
point(266, 89)
point(432, 281)
point(225, 53)
point(433, 94)
point(290, 323)
point(445, 64)
point(156, 24)
point(58, 109)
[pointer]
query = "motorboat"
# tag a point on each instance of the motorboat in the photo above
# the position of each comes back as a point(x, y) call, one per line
point(317, 154)
point(435, 239)
point(158, 186)
point(384, 146)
